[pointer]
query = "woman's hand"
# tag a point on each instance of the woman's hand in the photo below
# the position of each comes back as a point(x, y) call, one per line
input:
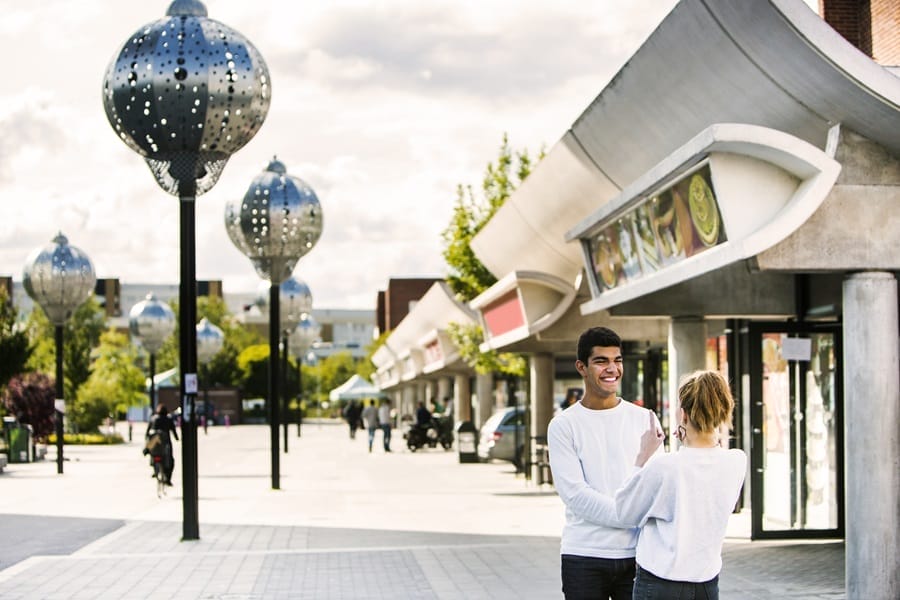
point(651, 440)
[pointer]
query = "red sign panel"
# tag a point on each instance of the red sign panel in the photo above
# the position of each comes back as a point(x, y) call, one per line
point(504, 314)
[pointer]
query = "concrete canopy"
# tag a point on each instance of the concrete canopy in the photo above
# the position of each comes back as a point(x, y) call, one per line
point(772, 63)
point(418, 343)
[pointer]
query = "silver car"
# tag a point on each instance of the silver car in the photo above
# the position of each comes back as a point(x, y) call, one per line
point(503, 436)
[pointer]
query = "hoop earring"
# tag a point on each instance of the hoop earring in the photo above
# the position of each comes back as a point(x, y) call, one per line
point(681, 433)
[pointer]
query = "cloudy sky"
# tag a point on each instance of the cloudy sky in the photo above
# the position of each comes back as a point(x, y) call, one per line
point(383, 107)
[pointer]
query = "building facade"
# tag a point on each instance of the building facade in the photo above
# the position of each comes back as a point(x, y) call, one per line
point(730, 200)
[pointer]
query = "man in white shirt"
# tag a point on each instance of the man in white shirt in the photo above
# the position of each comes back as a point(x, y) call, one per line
point(593, 445)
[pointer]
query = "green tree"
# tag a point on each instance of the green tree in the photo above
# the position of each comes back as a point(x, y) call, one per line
point(81, 333)
point(467, 276)
point(333, 371)
point(253, 362)
point(468, 338)
point(15, 348)
point(223, 369)
point(114, 384)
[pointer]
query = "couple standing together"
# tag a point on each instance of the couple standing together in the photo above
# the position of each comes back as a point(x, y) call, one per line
point(642, 523)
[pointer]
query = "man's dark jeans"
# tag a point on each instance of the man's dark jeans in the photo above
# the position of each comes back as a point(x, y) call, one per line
point(648, 586)
point(589, 578)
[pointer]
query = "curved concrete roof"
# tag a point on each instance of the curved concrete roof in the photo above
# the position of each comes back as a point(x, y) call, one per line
point(772, 63)
point(434, 310)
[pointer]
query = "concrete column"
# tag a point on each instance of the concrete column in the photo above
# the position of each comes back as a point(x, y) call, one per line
point(541, 384)
point(872, 436)
point(443, 390)
point(462, 399)
point(687, 353)
point(484, 389)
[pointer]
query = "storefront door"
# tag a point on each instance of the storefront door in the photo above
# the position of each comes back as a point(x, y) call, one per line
point(796, 419)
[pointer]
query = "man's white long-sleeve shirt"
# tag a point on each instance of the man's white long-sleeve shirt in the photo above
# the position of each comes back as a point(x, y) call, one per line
point(592, 453)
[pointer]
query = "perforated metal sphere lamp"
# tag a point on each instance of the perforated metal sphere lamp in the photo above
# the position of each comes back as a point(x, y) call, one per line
point(278, 221)
point(151, 322)
point(59, 278)
point(186, 92)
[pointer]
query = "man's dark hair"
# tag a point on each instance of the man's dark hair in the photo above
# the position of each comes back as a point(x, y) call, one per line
point(596, 336)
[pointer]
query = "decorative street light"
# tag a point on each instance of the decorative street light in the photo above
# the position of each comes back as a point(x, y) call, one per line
point(278, 221)
point(186, 92)
point(59, 278)
point(295, 301)
point(300, 340)
point(151, 322)
point(210, 340)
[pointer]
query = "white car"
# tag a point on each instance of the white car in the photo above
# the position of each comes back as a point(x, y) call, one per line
point(503, 436)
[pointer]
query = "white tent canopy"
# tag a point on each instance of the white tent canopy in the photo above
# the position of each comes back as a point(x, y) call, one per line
point(355, 388)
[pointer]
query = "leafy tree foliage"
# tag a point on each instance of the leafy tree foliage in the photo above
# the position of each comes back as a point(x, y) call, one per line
point(468, 338)
point(15, 348)
point(81, 333)
point(29, 398)
point(253, 362)
point(467, 276)
point(115, 382)
point(223, 369)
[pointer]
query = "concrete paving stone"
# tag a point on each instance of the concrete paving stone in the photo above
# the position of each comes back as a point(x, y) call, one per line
point(345, 524)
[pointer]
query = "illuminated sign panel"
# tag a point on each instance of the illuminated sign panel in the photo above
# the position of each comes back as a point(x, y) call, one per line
point(679, 222)
point(433, 352)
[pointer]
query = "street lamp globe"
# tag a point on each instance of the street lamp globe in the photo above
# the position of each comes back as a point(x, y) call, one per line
point(210, 340)
point(151, 322)
point(59, 278)
point(295, 301)
point(304, 335)
point(277, 222)
point(186, 92)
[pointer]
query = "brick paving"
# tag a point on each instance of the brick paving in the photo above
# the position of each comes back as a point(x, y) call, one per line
point(345, 525)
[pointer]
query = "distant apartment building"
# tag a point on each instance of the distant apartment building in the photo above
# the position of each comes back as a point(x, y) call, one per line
point(401, 295)
point(342, 329)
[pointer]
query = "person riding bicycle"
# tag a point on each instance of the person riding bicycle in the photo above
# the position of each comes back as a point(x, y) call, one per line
point(160, 425)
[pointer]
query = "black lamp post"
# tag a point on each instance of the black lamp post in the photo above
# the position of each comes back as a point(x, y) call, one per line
point(295, 302)
point(59, 278)
point(186, 92)
point(301, 339)
point(150, 323)
point(210, 340)
point(278, 221)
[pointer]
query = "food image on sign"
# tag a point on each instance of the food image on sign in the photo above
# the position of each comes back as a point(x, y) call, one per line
point(661, 230)
point(607, 259)
point(646, 234)
point(628, 247)
point(704, 213)
point(668, 232)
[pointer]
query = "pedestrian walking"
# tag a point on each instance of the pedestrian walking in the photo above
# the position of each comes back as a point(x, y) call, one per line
point(352, 413)
point(370, 419)
point(593, 445)
point(384, 421)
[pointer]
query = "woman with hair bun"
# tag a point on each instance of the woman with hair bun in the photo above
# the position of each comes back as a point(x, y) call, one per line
point(682, 500)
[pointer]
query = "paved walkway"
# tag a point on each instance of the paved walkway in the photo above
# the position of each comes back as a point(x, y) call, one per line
point(345, 524)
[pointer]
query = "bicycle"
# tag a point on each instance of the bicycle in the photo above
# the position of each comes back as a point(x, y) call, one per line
point(159, 473)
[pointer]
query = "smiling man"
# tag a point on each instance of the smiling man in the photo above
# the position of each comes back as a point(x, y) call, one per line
point(593, 446)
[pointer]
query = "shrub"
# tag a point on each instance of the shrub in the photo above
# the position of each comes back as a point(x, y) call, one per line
point(30, 398)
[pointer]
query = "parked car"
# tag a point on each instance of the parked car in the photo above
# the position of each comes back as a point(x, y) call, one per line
point(503, 436)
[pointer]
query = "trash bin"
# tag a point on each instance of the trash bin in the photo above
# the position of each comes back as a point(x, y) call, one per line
point(19, 444)
point(467, 441)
